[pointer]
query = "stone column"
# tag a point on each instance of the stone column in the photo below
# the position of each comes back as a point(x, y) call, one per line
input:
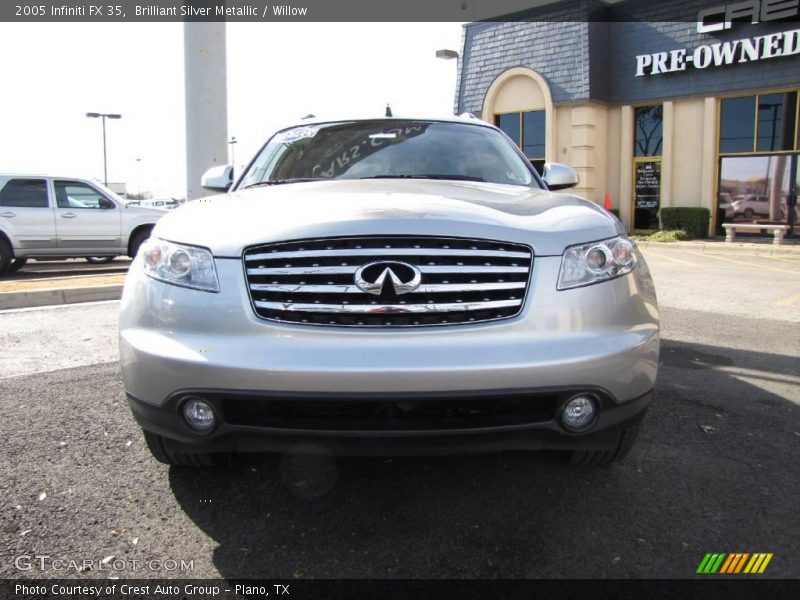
point(205, 77)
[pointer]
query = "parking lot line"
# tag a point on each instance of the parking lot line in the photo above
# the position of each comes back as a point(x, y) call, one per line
point(734, 254)
point(670, 258)
point(789, 300)
point(695, 265)
point(791, 261)
point(741, 262)
point(757, 264)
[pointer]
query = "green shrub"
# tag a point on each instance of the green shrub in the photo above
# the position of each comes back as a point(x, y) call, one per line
point(692, 220)
point(671, 235)
point(661, 236)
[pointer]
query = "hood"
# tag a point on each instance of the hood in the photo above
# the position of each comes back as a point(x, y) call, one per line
point(146, 210)
point(546, 221)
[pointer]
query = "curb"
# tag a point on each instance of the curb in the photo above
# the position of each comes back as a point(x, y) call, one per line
point(56, 296)
point(736, 247)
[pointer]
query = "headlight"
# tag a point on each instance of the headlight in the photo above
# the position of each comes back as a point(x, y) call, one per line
point(586, 264)
point(187, 266)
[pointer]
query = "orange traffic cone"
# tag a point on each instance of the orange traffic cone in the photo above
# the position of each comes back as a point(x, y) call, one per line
point(608, 201)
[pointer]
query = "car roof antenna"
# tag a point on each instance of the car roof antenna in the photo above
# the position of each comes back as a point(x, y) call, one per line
point(388, 110)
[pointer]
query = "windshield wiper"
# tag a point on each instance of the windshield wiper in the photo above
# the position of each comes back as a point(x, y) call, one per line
point(279, 182)
point(427, 176)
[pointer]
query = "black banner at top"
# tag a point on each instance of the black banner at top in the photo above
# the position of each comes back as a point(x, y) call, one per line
point(392, 10)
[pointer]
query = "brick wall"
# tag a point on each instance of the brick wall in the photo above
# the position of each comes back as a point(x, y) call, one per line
point(555, 48)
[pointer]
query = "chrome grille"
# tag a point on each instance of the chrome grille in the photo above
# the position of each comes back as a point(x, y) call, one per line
point(314, 281)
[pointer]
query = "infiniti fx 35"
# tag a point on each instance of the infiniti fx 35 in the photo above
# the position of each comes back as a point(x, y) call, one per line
point(389, 285)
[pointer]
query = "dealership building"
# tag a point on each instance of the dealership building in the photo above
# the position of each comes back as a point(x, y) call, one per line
point(655, 104)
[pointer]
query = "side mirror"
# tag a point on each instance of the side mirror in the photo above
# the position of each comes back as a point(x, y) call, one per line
point(218, 179)
point(559, 177)
point(106, 203)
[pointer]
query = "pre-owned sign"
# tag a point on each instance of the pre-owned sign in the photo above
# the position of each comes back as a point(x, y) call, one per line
point(773, 45)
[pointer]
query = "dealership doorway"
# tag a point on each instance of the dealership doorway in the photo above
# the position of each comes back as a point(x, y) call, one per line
point(646, 192)
point(647, 150)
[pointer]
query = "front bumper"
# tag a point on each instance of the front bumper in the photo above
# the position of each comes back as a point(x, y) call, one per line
point(602, 337)
point(536, 430)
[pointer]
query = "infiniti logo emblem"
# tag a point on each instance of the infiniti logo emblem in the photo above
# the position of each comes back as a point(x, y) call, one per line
point(391, 277)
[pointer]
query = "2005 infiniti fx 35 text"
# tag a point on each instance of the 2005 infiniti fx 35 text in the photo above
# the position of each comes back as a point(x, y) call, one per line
point(389, 286)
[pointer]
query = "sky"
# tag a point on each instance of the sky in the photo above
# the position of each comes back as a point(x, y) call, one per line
point(277, 72)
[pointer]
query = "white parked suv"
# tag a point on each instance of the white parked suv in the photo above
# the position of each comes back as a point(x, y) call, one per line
point(46, 216)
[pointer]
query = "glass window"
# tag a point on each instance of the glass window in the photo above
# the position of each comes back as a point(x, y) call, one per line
point(71, 194)
point(24, 193)
point(527, 130)
point(510, 125)
point(737, 124)
point(776, 122)
point(754, 189)
point(533, 133)
point(388, 149)
point(648, 126)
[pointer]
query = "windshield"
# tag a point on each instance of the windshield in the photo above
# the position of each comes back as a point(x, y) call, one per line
point(389, 149)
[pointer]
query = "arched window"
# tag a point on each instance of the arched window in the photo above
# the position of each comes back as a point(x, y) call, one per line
point(519, 103)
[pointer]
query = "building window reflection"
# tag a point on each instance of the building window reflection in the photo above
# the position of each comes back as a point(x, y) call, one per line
point(758, 159)
point(762, 123)
point(649, 130)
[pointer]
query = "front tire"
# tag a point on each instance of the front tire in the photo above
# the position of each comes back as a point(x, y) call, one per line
point(17, 264)
point(748, 214)
point(6, 256)
point(136, 241)
point(596, 458)
point(163, 451)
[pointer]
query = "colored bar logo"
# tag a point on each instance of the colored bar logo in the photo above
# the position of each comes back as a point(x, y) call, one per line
point(734, 563)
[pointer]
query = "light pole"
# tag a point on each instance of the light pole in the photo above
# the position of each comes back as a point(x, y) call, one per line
point(232, 143)
point(104, 116)
point(446, 54)
point(139, 177)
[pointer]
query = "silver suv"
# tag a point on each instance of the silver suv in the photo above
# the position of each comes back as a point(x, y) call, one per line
point(45, 216)
point(389, 286)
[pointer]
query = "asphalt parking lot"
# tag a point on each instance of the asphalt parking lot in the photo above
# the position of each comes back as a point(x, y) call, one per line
point(714, 470)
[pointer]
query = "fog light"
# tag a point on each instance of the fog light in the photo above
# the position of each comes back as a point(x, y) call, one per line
point(578, 413)
point(199, 415)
